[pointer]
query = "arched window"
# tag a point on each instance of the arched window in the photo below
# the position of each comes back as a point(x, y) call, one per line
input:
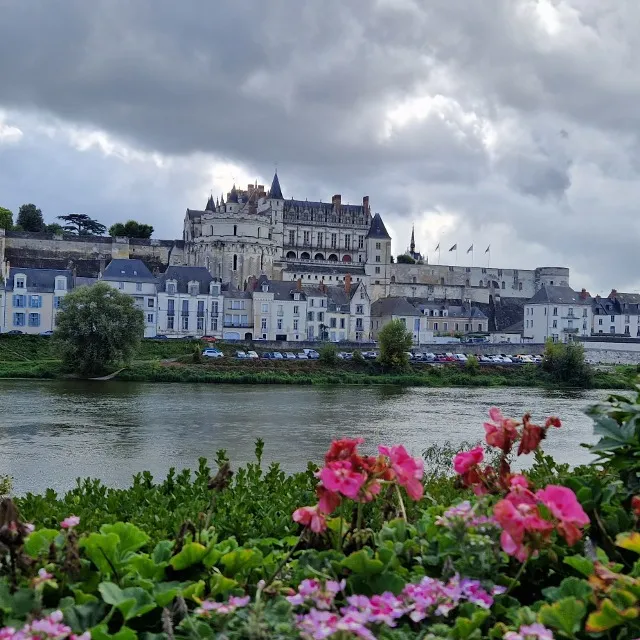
point(235, 262)
point(305, 256)
point(319, 256)
point(235, 229)
point(393, 279)
point(503, 284)
point(467, 283)
point(333, 257)
point(346, 258)
point(291, 255)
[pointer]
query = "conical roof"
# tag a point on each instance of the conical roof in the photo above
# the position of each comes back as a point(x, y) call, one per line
point(211, 205)
point(275, 192)
point(377, 229)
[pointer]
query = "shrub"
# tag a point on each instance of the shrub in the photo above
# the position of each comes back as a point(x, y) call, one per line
point(472, 365)
point(329, 354)
point(566, 365)
point(395, 341)
point(358, 358)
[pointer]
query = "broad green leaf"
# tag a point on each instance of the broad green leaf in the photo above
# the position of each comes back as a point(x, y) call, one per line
point(219, 584)
point(101, 632)
point(361, 563)
point(102, 550)
point(191, 554)
point(608, 617)
point(608, 427)
point(569, 587)
point(145, 567)
point(131, 538)
point(193, 591)
point(131, 602)
point(581, 565)
point(83, 598)
point(465, 627)
point(84, 616)
point(566, 615)
point(630, 541)
point(39, 542)
point(241, 560)
point(165, 592)
point(162, 551)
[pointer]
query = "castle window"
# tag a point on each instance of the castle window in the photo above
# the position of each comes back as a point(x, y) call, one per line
point(320, 238)
point(235, 262)
point(360, 242)
point(235, 229)
point(413, 280)
point(292, 237)
point(258, 232)
point(503, 284)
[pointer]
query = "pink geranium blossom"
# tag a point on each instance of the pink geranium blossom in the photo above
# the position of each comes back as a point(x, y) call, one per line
point(501, 432)
point(310, 517)
point(465, 460)
point(70, 522)
point(340, 477)
point(408, 470)
point(563, 505)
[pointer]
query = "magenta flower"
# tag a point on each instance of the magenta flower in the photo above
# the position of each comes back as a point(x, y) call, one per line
point(207, 607)
point(340, 477)
point(534, 631)
point(563, 505)
point(408, 470)
point(310, 517)
point(70, 522)
point(42, 577)
point(465, 460)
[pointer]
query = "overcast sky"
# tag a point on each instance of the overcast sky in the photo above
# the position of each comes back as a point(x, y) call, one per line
point(512, 123)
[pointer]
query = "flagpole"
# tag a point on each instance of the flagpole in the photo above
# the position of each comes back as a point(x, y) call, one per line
point(472, 256)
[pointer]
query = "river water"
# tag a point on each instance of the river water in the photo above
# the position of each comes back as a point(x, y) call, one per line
point(52, 432)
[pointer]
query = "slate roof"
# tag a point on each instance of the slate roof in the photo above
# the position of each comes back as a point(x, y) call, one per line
point(40, 280)
point(393, 307)
point(127, 270)
point(211, 205)
point(281, 289)
point(85, 282)
point(192, 214)
point(453, 310)
point(558, 295)
point(377, 229)
point(340, 268)
point(275, 192)
point(518, 327)
point(617, 304)
point(184, 275)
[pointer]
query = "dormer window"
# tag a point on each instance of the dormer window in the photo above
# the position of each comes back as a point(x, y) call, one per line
point(171, 288)
point(20, 282)
point(194, 288)
point(214, 289)
point(338, 308)
point(61, 284)
point(265, 288)
point(296, 296)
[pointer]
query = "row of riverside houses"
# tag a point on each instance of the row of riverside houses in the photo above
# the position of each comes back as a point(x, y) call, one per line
point(189, 302)
point(561, 314)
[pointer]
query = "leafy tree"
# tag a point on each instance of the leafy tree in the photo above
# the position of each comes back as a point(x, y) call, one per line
point(329, 354)
point(405, 259)
point(6, 219)
point(82, 225)
point(30, 218)
point(566, 365)
point(97, 327)
point(131, 229)
point(54, 227)
point(394, 341)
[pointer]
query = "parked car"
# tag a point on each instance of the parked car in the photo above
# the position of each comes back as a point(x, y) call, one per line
point(14, 332)
point(47, 333)
point(288, 355)
point(277, 355)
point(429, 357)
point(459, 357)
point(409, 355)
point(212, 353)
point(311, 354)
point(160, 337)
point(241, 355)
point(485, 359)
point(369, 355)
point(209, 339)
point(267, 355)
point(252, 355)
point(302, 356)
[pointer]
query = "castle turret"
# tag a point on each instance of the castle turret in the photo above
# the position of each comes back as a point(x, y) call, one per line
point(211, 206)
point(378, 264)
point(275, 193)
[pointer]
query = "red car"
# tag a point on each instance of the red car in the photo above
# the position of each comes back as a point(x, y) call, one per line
point(209, 339)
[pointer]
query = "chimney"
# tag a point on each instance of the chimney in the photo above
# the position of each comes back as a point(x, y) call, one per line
point(336, 201)
point(347, 283)
point(584, 294)
point(613, 293)
point(299, 284)
point(251, 283)
point(365, 203)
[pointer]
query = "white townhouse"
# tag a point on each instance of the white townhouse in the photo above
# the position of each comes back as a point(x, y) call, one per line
point(557, 313)
point(384, 310)
point(190, 303)
point(279, 310)
point(132, 277)
point(617, 314)
point(30, 298)
point(237, 321)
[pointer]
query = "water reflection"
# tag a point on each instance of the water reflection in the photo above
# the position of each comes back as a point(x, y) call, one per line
point(53, 432)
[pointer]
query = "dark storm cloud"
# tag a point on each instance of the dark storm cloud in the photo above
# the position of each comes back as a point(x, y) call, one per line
point(510, 114)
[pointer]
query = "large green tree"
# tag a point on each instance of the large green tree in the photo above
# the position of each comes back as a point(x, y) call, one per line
point(97, 328)
point(6, 219)
point(30, 218)
point(131, 229)
point(394, 341)
point(82, 225)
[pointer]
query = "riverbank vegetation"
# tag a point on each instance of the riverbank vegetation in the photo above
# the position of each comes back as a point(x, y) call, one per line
point(364, 546)
point(174, 361)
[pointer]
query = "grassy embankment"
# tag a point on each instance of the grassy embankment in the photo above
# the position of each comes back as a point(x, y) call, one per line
point(172, 361)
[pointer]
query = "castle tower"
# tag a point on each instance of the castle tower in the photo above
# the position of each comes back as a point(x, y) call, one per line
point(378, 264)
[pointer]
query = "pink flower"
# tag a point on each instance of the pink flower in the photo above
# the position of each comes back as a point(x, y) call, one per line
point(42, 577)
point(310, 517)
point(465, 460)
point(552, 421)
point(408, 470)
point(339, 477)
point(328, 501)
point(563, 505)
point(534, 631)
point(70, 522)
point(223, 608)
point(501, 432)
point(519, 481)
point(342, 449)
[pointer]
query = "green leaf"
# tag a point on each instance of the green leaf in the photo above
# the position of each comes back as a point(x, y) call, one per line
point(608, 427)
point(39, 542)
point(82, 617)
point(566, 615)
point(193, 591)
point(241, 560)
point(569, 587)
point(131, 602)
point(608, 617)
point(630, 541)
point(191, 554)
point(465, 627)
point(102, 550)
point(131, 538)
point(220, 585)
point(101, 632)
point(162, 551)
point(146, 568)
point(581, 565)
point(165, 592)
point(361, 562)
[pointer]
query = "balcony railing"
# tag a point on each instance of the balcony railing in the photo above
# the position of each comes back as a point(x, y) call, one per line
point(171, 313)
point(243, 325)
point(570, 330)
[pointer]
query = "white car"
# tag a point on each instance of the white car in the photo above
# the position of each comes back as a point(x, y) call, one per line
point(253, 355)
point(212, 353)
point(460, 357)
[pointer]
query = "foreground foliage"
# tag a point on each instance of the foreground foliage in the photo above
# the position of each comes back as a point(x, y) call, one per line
point(369, 546)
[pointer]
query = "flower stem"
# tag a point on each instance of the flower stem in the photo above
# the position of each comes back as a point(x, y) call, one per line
point(517, 577)
point(339, 540)
point(401, 504)
point(283, 562)
point(359, 518)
